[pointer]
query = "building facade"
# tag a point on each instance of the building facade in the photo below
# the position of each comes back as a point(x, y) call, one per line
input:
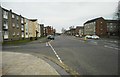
point(26, 31)
point(42, 29)
point(95, 27)
point(77, 30)
point(81, 31)
point(11, 25)
point(112, 27)
point(1, 31)
point(31, 30)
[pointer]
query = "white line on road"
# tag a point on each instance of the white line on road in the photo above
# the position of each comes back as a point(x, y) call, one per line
point(11, 46)
point(55, 53)
point(111, 47)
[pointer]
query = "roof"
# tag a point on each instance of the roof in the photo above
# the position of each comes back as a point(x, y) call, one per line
point(93, 20)
point(33, 20)
point(111, 21)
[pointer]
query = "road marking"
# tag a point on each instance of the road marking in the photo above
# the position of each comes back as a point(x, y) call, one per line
point(11, 46)
point(112, 44)
point(111, 47)
point(55, 52)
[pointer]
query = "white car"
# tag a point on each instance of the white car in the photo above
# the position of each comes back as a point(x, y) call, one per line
point(77, 35)
point(95, 37)
point(88, 36)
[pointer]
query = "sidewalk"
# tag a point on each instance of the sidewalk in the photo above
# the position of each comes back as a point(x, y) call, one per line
point(25, 64)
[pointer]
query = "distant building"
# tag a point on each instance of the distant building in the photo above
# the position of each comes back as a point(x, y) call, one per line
point(48, 30)
point(77, 30)
point(33, 32)
point(112, 27)
point(81, 31)
point(26, 31)
point(95, 26)
point(42, 29)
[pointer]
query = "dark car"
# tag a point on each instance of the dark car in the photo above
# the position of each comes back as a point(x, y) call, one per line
point(51, 37)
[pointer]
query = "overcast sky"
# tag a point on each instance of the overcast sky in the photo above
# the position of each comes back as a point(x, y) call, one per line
point(60, 13)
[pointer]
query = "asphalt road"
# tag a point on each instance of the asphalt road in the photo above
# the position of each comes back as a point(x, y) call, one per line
point(91, 57)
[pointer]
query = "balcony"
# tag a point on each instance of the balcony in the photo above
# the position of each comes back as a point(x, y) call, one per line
point(5, 16)
point(22, 29)
point(22, 21)
point(6, 36)
point(22, 35)
point(5, 27)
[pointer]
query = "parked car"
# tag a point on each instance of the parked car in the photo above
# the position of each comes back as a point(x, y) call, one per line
point(95, 37)
point(88, 36)
point(76, 35)
point(51, 37)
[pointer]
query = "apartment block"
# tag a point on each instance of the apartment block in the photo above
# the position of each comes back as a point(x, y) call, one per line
point(1, 32)
point(22, 27)
point(112, 27)
point(81, 31)
point(77, 30)
point(26, 31)
point(48, 30)
point(31, 30)
point(12, 28)
point(34, 29)
point(42, 29)
point(95, 26)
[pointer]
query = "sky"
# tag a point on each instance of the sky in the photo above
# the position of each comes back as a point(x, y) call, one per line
point(62, 13)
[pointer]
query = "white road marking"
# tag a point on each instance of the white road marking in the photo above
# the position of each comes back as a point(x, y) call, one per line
point(55, 52)
point(111, 47)
point(112, 44)
point(11, 46)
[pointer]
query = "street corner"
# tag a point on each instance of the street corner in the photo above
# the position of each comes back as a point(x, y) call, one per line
point(25, 64)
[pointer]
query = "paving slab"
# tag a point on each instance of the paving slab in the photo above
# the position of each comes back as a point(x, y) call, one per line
point(25, 64)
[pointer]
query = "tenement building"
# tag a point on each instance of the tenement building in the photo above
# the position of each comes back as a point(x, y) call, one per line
point(95, 26)
point(12, 25)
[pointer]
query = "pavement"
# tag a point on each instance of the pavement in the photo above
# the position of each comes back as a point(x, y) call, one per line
point(14, 63)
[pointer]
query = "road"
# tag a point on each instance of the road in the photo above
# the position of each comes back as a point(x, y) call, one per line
point(91, 57)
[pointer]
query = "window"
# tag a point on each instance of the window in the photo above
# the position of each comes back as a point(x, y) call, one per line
point(111, 26)
point(111, 23)
point(5, 14)
point(13, 33)
point(13, 16)
point(17, 26)
point(18, 34)
point(17, 18)
point(101, 22)
point(21, 20)
point(22, 34)
point(5, 34)
point(13, 24)
point(26, 33)
point(5, 25)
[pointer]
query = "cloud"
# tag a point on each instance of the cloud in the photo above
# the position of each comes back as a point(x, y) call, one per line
point(62, 14)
